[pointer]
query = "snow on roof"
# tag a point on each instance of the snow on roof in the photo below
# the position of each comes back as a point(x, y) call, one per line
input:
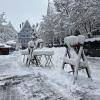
point(1, 44)
point(24, 25)
point(4, 45)
point(92, 39)
point(11, 42)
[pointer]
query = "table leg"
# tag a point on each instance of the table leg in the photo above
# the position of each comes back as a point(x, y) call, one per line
point(24, 58)
point(48, 60)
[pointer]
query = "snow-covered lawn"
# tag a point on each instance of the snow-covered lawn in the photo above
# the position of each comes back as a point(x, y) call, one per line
point(19, 82)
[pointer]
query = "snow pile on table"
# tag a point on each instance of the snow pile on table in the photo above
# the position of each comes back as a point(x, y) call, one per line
point(39, 52)
point(43, 51)
point(73, 40)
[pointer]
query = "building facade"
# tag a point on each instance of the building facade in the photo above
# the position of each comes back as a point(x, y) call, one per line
point(24, 36)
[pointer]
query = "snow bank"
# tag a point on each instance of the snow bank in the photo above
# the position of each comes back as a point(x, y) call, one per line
point(12, 65)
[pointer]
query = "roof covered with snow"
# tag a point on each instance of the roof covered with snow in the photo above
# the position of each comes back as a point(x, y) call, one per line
point(24, 26)
point(11, 42)
point(4, 45)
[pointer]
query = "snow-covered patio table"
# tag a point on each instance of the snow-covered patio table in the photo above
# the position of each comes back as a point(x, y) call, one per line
point(46, 52)
point(38, 53)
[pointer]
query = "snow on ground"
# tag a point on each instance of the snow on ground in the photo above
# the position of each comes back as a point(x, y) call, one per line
point(18, 82)
point(11, 65)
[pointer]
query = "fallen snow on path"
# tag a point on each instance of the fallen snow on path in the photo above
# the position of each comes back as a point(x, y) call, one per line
point(11, 65)
point(47, 83)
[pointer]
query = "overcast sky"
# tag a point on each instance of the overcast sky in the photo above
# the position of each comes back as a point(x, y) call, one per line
point(21, 10)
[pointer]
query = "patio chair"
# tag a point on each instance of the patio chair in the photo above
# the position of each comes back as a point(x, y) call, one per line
point(32, 45)
point(75, 56)
point(39, 43)
point(30, 57)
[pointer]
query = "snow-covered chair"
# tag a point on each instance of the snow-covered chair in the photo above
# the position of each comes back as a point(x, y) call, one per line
point(30, 57)
point(33, 45)
point(75, 52)
point(39, 43)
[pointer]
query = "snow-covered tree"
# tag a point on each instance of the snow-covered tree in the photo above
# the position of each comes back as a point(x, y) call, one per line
point(47, 29)
point(81, 14)
point(7, 31)
point(70, 17)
